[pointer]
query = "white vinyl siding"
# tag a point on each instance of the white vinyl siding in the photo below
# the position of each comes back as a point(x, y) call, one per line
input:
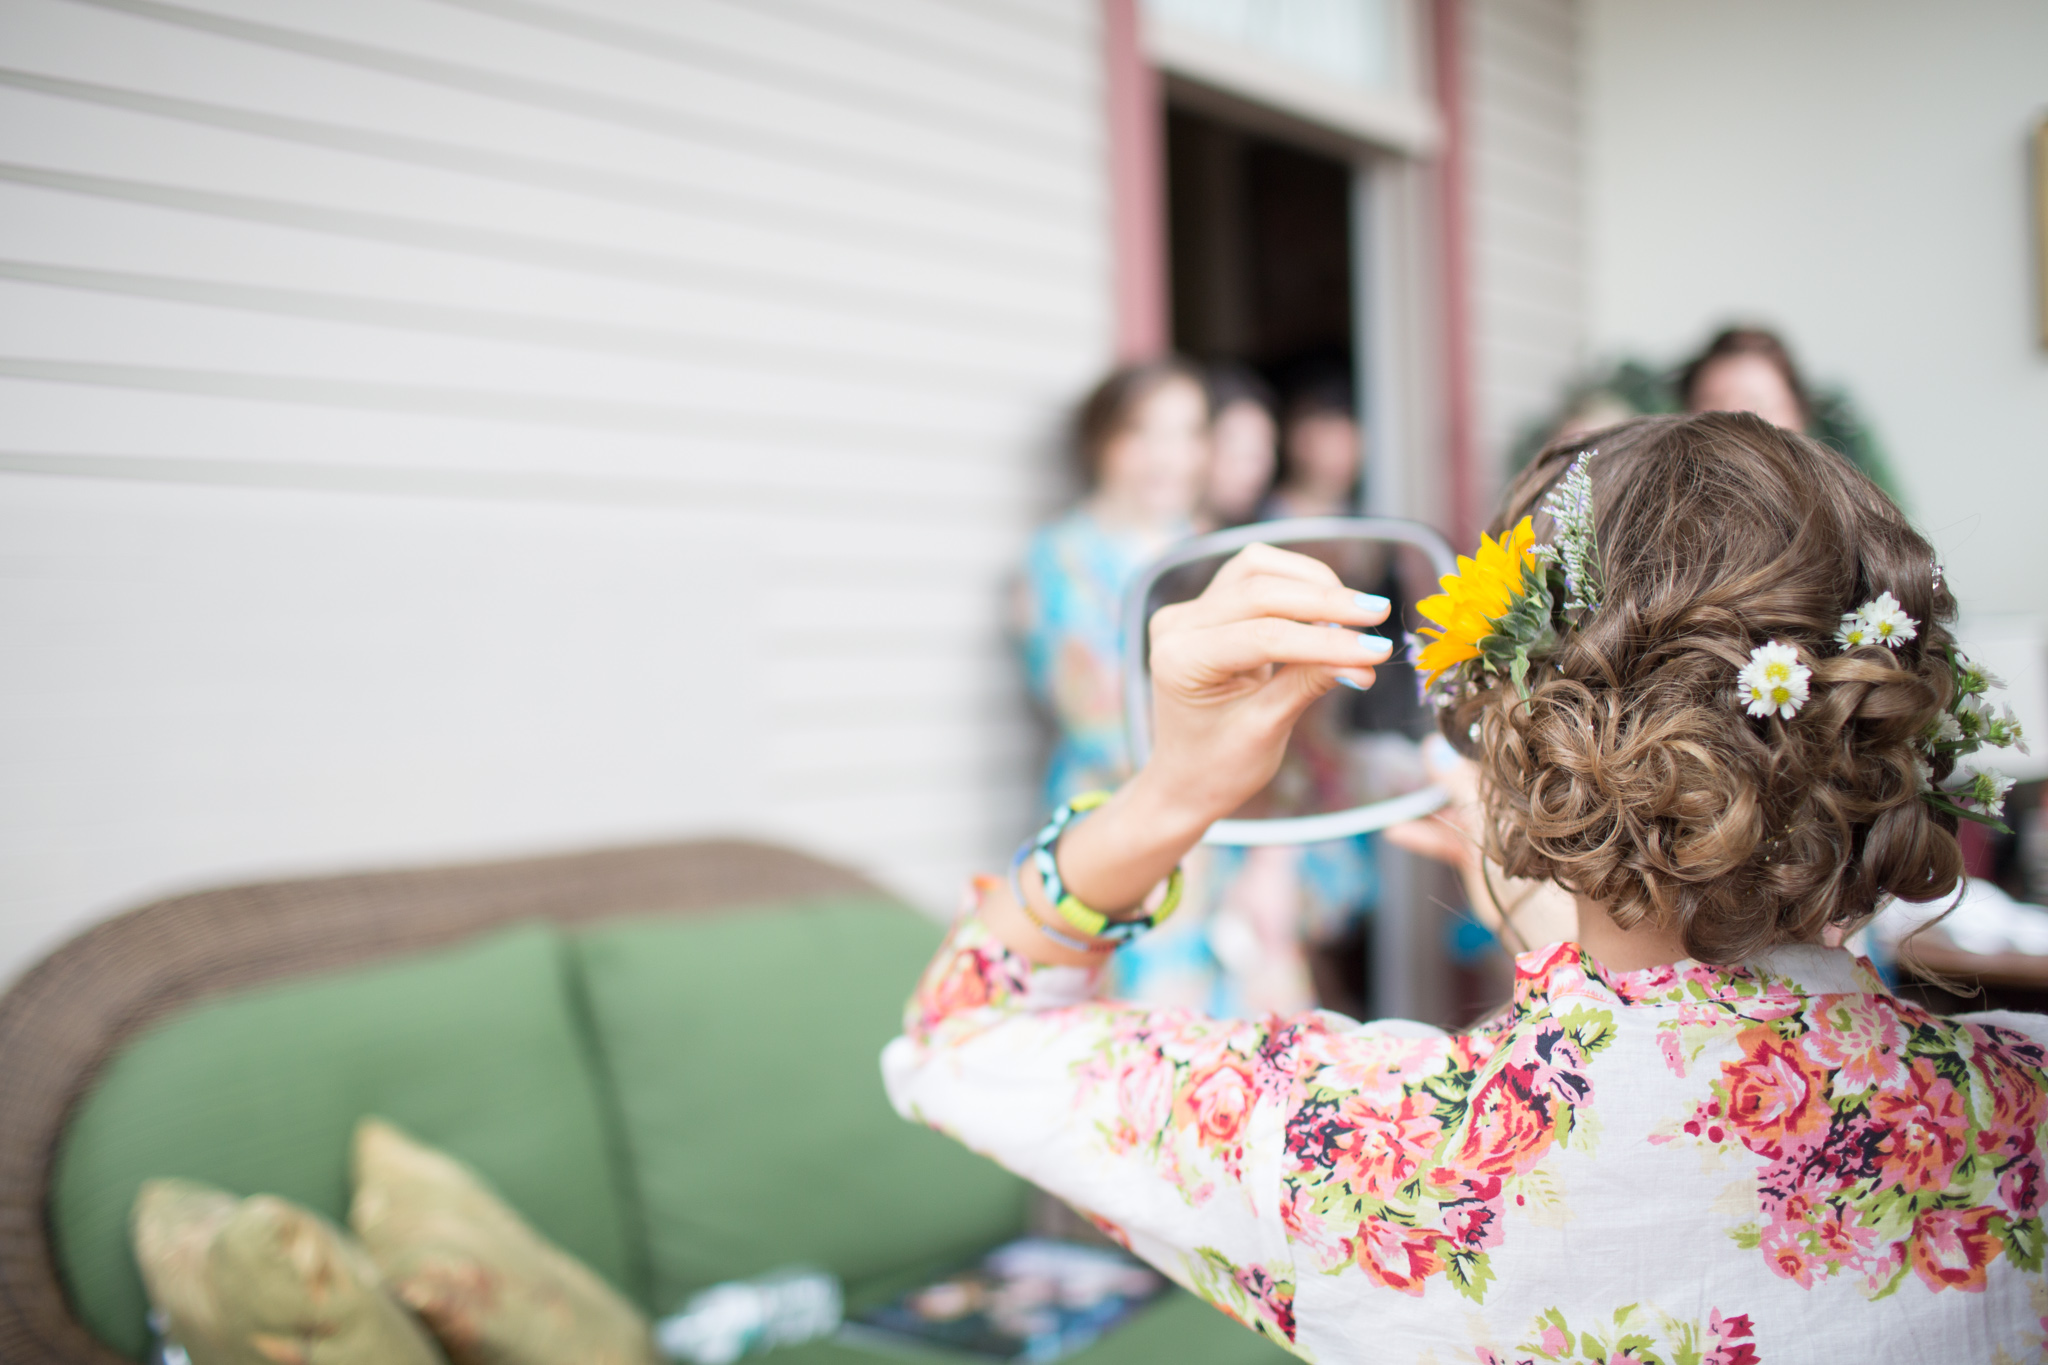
point(456, 428)
point(1526, 194)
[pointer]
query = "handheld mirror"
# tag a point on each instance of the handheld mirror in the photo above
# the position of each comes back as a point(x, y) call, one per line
point(1355, 762)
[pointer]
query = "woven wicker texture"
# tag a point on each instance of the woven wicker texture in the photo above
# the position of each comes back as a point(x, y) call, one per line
point(62, 1020)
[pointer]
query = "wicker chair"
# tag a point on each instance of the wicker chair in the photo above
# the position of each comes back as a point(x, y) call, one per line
point(61, 1022)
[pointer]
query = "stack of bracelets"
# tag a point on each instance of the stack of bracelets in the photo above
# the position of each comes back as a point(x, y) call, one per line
point(1096, 931)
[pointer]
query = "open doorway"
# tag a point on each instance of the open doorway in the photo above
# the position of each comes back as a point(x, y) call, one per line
point(1260, 239)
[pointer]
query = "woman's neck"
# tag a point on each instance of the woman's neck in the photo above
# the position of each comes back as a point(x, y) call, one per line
point(1625, 950)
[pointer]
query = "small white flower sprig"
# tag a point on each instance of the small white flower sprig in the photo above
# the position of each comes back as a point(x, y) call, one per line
point(1968, 725)
point(1773, 680)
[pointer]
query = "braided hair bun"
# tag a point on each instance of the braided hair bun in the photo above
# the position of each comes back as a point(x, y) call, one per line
point(1632, 774)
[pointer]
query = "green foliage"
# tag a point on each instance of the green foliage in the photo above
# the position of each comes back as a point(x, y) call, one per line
point(2024, 1243)
point(1529, 630)
point(1470, 1272)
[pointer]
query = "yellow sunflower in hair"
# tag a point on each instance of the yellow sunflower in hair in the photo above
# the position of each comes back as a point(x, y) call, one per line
point(1479, 613)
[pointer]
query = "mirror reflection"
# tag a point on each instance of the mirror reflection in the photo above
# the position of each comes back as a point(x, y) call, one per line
point(1352, 748)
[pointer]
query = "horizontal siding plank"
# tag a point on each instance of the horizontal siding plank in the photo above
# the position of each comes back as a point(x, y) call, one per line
point(59, 324)
point(800, 212)
point(274, 444)
point(177, 74)
point(570, 412)
point(1527, 171)
point(1051, 41)
point(783, 358)
point(42, 207)
point(1517, 275)
point(391, 285)
point(776, 53)
point(729, 257)
point(540, 72)
point(952, 301)
point(802, 510)
point(1545, 30)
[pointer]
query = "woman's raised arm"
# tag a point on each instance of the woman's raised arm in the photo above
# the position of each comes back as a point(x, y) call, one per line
point(1231, 673)
point(1168, 1127)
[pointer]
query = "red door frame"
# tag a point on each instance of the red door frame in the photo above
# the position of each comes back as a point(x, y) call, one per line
point(1461, 516)
point(1137, 187)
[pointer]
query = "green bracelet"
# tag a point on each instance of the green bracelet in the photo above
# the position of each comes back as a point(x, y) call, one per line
point(1083, 918)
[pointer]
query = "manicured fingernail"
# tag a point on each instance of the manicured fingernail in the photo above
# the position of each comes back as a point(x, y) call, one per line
point(1367, 602)
point(1376, 646)
point(1351, 683)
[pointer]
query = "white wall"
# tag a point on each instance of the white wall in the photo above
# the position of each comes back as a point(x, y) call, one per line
point(436, 430)
point(1855, 172)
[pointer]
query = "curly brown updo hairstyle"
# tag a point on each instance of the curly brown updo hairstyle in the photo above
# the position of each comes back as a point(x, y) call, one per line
point(1632, 775)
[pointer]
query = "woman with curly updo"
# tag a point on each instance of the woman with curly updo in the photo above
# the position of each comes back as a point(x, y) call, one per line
point(1705, 678)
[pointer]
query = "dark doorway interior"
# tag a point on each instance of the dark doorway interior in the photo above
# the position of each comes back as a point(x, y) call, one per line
point(1260, 239)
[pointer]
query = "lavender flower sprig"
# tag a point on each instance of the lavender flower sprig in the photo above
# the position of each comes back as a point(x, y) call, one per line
point(1570, 506)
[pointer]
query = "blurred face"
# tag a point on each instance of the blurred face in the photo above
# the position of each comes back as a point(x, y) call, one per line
point(1747, 383)
point(1322, 456)
point(1155, 467)
point(1241, 466)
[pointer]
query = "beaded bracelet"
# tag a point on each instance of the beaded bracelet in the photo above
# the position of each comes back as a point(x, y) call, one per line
point(1043, 851)
point(1079, 945)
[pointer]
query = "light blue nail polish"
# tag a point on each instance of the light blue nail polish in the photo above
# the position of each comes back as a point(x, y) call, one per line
point(1376, 646)
point(1354, 686)
point(1367, 602)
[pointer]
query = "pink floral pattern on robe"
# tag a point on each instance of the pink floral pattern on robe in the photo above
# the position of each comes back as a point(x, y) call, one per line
point(1686, 1165)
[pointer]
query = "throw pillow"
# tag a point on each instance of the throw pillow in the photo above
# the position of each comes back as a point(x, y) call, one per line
point(261, 1281)
point(478, 1048)
point(492, 1289)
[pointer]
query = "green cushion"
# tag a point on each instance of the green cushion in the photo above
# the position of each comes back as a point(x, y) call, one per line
point(1179, 1329)
point(477, 1049)
point(744, 1051)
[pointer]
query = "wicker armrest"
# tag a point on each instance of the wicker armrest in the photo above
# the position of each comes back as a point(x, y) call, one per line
point(61, 1021)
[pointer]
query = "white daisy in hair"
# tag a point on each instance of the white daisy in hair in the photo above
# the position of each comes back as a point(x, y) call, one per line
point(1773, 680)
point(1888, 621)
point(1982, 792)
point(1972, 716)
point(1879, 622)
point(1945, 729)
point(2002, 730)
point(1973, 679)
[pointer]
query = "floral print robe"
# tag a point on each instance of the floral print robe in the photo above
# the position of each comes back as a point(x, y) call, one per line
point(1778, 1165)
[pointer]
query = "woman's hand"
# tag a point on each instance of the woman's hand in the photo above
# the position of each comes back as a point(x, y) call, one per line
point(1233, 670)
point(1231, 673)
point(1451, 835)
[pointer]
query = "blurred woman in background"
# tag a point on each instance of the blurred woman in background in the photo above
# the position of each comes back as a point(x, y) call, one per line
point(1244, 439)
point(1741, 369)
point(1750, 369)
point(1746, 369)
point(1322, 453)
point(1142, 437)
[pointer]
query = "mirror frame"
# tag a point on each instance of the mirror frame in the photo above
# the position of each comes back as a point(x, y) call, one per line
point(1291, 829)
